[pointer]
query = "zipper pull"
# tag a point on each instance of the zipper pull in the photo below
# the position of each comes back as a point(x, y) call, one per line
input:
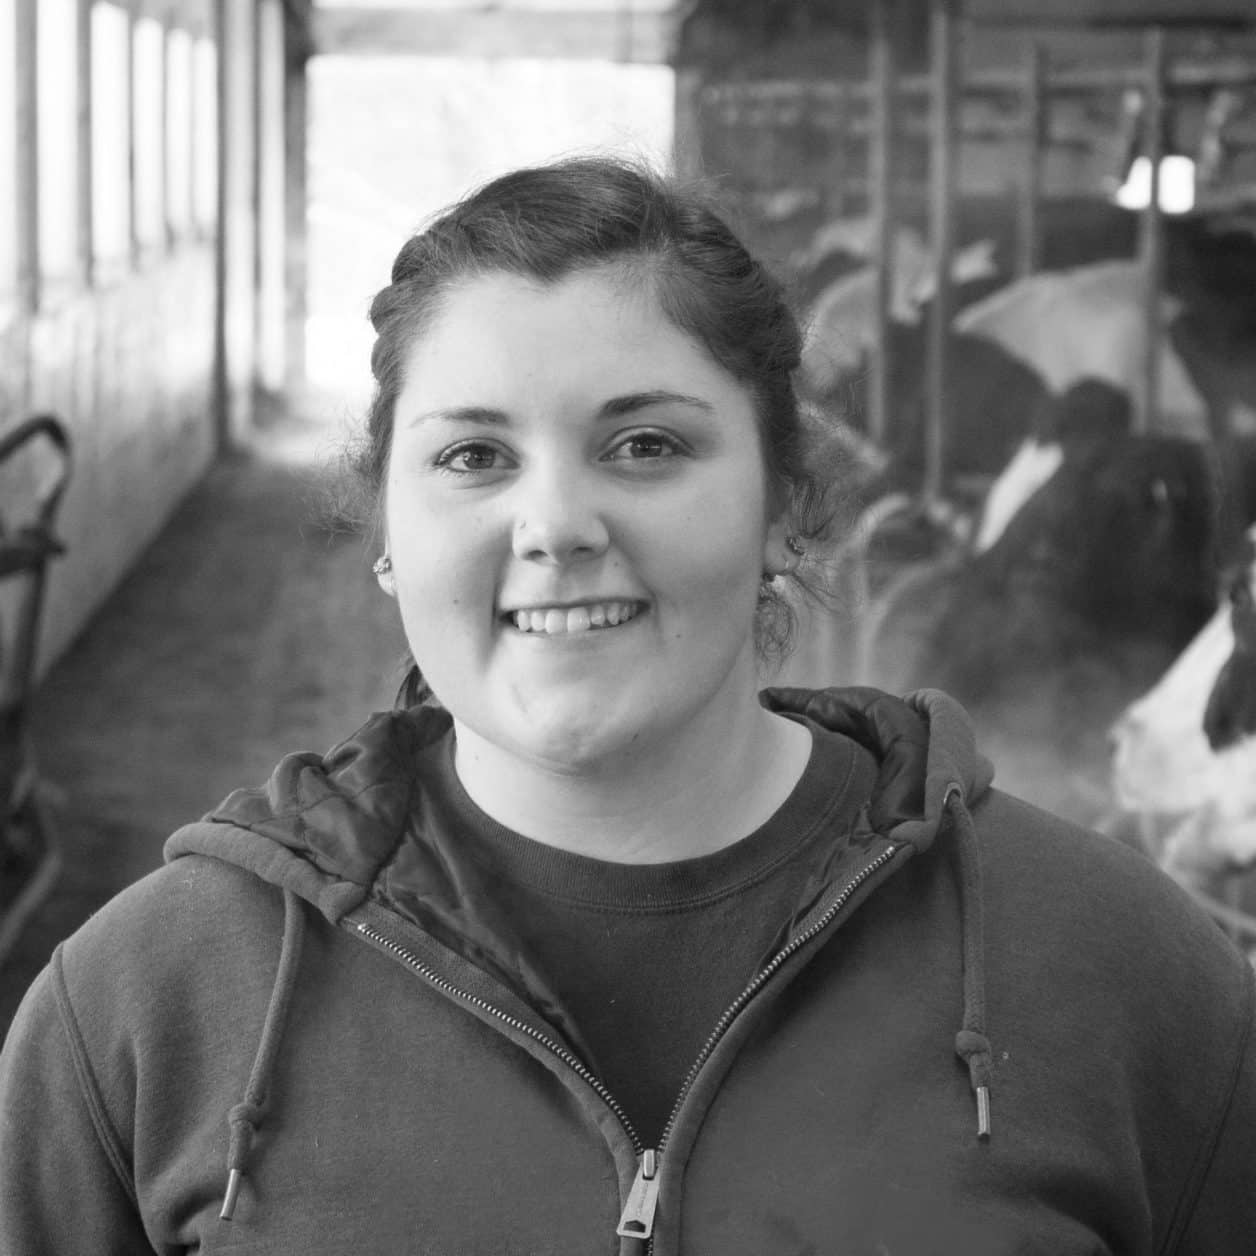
point(637, 1221)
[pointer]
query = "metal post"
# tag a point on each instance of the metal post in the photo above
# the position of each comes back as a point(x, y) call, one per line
point(835, 196)
point(881, 210)
point(943, 182)
point(1152, 232)
point(295, 195)
point(1030, 188)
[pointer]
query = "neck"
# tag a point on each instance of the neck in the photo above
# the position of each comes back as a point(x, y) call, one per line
point(672, 801)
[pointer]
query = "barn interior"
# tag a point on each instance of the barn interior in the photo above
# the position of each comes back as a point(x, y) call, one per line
point(1021, 237)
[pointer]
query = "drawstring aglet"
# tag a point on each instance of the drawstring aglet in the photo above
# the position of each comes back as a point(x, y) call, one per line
point(234, 1178)
point(983, 1111)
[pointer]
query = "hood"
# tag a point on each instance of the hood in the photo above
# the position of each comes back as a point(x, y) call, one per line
point(325, 828)
point(328, 824)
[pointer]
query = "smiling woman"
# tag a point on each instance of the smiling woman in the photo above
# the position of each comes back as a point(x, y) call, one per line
point(562, 452)
point(592, 945)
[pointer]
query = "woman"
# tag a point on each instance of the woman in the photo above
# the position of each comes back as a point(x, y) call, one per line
point(590, 946)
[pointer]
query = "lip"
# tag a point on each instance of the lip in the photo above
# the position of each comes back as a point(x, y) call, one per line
point(569, 604)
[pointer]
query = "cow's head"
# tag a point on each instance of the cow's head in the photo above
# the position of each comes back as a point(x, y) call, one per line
point(1230, 715)
point(1120, 535)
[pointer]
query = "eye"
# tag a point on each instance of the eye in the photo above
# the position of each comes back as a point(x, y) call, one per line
point(644, 446)
point(472, 456)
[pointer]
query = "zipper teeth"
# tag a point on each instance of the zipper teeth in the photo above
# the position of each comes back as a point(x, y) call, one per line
point(764, 974)
point(573, 1061)
point(569, 1058)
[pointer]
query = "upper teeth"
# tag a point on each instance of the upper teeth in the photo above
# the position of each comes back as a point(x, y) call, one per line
point(555, 620)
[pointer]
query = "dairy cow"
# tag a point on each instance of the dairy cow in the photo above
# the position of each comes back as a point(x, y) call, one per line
point(1087, 323)
point(1230, 713)
point(1184, 753)
point(1091, 587)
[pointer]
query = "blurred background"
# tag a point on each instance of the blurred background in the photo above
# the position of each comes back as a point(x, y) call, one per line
point(1022, 238)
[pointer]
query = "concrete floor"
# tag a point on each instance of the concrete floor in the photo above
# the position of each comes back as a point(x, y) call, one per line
point(251, 628)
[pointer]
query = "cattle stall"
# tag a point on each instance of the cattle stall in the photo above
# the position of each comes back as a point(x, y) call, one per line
point(141, 260)
point(936, 209)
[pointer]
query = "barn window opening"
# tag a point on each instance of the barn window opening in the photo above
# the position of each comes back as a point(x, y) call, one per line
point(179, 135)
point(205, 133)
point(148, 104)
point(111, 138)
point(395, 138)
point(57, 101)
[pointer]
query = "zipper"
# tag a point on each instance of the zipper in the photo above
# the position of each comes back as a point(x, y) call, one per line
point(650, 1199)
point(569, 1058)
point(637, 1219)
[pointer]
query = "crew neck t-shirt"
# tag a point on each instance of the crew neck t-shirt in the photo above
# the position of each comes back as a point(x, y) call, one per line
point(642, 959)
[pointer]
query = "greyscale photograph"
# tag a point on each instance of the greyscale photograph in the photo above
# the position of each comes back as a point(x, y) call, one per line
point(628, 627)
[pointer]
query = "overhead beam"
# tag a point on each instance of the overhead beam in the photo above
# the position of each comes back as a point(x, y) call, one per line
point(622, 34)
point(1112, 13)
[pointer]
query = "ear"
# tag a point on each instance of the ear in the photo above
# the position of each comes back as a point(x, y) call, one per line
point(384, 576)
point(779, 553)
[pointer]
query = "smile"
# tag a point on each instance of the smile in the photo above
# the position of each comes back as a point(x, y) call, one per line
point(564, 620)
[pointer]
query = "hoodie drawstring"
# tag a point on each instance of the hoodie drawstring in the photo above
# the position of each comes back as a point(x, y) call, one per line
point(244, 1118)
point(971, 1044)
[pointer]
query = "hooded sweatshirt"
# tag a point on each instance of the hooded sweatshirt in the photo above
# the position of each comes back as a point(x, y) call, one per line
point(987, 1032)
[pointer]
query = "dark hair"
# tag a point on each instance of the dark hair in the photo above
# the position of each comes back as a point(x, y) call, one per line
point(545, 223)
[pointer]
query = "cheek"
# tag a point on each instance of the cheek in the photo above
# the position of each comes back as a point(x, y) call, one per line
point(712, 564)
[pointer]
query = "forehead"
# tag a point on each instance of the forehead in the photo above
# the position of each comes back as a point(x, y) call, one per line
point(602, 324)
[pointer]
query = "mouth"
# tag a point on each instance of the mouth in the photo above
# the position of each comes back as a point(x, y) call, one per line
point(562, 621)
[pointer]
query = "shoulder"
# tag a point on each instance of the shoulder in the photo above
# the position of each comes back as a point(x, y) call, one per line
point(193, 907)
point(171, 967)
point(1090, 886)
point(1108, 981)
point(1104, 937)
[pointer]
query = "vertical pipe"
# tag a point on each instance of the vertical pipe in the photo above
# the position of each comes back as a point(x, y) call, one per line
point(943, 182)
point(1030, 188)
point(257, 190)
point(881, 210)
point(221, 383)
point(836, 195)
point(1151, 239)
point(295, 124)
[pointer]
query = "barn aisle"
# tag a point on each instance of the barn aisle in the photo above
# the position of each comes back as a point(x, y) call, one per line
point(250, 628)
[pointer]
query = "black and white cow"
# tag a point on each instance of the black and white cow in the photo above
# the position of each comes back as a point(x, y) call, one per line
point(1109, 567)
point(1230, 713)
point(1184, 753)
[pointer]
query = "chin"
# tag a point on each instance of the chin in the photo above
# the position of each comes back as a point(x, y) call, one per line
point(572, 747)
point(576, 735)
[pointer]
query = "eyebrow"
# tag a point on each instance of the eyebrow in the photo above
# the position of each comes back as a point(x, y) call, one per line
point(615, 408)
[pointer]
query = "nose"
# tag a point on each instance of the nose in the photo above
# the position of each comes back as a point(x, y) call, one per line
point(558, 522)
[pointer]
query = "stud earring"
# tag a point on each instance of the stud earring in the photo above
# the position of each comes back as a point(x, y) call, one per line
point(794, 544)
point(382, 567)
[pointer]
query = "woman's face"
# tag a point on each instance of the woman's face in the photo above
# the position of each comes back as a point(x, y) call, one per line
point(576, 508)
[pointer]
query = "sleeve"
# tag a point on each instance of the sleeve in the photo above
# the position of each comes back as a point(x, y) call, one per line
point(65, 1188)
point(1222, 1221)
